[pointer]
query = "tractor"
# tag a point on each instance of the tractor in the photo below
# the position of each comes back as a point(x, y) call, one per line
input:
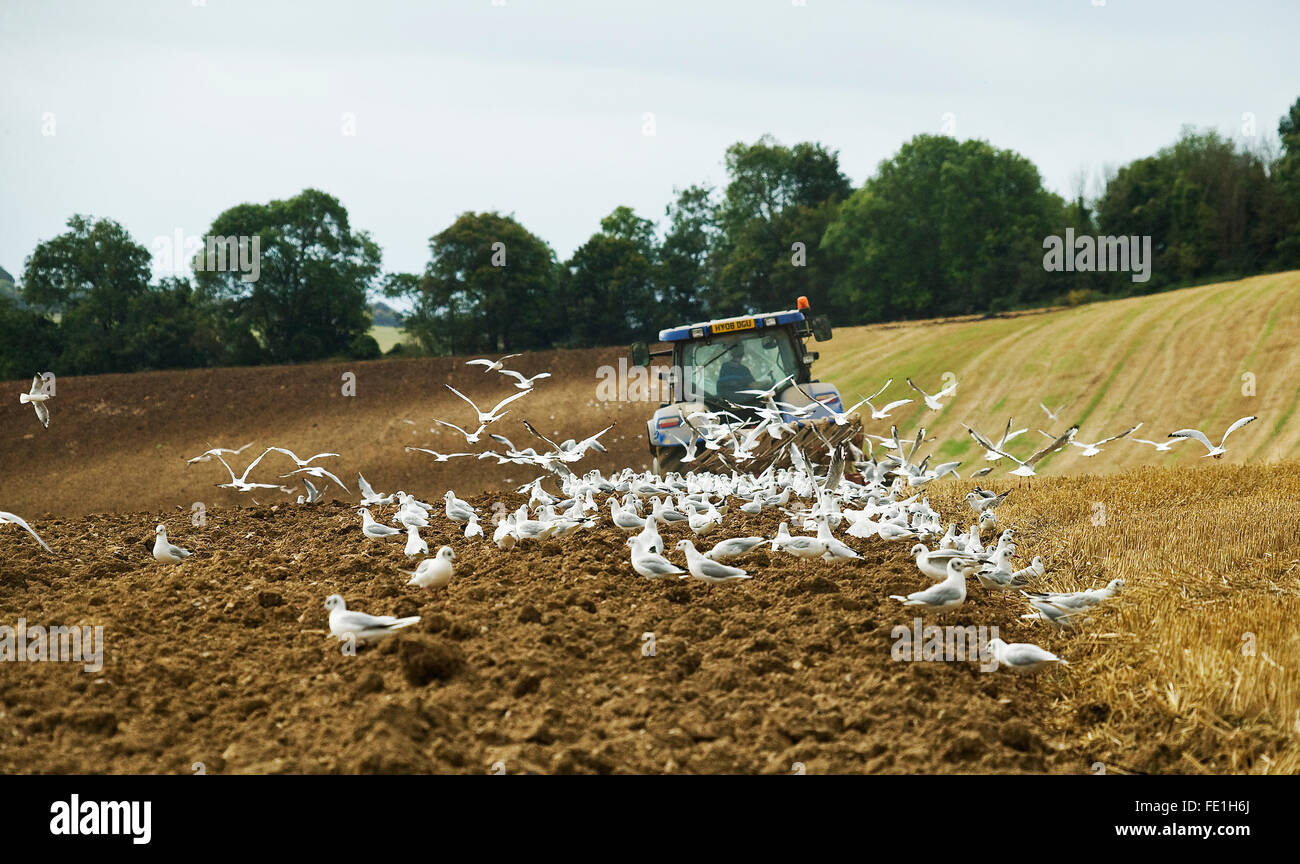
point(713, 362)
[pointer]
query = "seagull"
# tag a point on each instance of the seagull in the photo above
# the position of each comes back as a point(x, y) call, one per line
point(523, 383)
point(982, 503)
point(345, 623)
point(734, 547)
point(1094, 449)
point(217, 451)
point(492, 365)
point(313, 495)
point(301, 463)
point(1216, 452)
point(1051, 415)
point(456, 509)
point(948, 594)
point(369, 494)
point(374, 529)
point(492, 416)
point(438, 457)
point(318, 472)
point(1026, 468)
point(800, 546)
point(769, 393)
point(932, 402)
point(38, 396)
point(706, 569)
point(883, 413)
point(649, 563)
point(415, 544)
point(241, 483)
point(469, 438)
point(1061, 608)
point(433, 572)
point(1161, 446)
point(22, 523)
point(1021, 656)
point(992, 450)
point(164, 551)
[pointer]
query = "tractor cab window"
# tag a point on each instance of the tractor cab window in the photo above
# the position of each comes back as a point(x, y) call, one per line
point(721, 367)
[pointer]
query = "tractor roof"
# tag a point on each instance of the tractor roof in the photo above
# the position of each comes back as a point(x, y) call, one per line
point(730, 325)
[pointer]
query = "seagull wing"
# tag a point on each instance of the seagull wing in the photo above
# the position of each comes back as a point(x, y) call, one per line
point(529, 427)
point(463, 396)
point(1233, 428)
point(506, 401)
point(1065, 438)
point(37, 385)
point(1123, 434)
point(1195, 434)
point(22, 523)
point(42, 413)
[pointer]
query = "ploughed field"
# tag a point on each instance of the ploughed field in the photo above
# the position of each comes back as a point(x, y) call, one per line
point(556, 657)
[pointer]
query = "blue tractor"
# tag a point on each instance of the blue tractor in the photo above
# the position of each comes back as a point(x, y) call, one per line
point(712, 363)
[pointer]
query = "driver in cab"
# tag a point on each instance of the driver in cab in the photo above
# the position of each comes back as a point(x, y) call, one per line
point(735, 375)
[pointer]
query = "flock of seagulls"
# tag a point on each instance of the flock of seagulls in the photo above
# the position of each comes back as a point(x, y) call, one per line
point(838, 489)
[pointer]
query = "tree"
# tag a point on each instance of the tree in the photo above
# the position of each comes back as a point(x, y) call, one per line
point(944, 228)
point(89, 278)
point(311, 272)
point(489, 287)
point(684, 256)
point(1287, 172)
point(778, 202)
point(29, 342)
point(610, 283)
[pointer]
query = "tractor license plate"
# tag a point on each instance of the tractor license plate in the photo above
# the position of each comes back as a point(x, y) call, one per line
point(733, 326)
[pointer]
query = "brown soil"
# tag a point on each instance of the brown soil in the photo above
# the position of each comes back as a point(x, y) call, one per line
point(532, 660)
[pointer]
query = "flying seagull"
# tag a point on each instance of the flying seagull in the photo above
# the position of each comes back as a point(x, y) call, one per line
point(1216, 452)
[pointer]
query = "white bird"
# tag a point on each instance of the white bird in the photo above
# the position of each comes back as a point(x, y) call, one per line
point(438, 457)
point(522, 383)
point(932, 402)
point(435, 572)
point(1051, 415)
point(313, 495)
point(1026, 468)
point(470, 438)
point(1216, 452)
point(374, 529)
point(38, 396)
point(165, 551)
point(320, 473)
point(993, 450)
point(706, 569)
point(883, 413)
point(1161, 446)
point(456, 509)
point(301, 463)
point(1094, 449)
point(734, 547)
point(369, 495)
point(415, 544)
point(649, 563)
point(1062, 608)
point(948, 594)
point(492, 365)
point(217, 451)
point(241, 483)
point(1021, 656)
point(345, 623)
point(492, 416)
point(22, 523)
point(800, 546)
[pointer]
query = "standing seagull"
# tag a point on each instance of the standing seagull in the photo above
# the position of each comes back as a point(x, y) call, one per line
point(706, 569)
point(1021, 656)
point(21, 523)
point(38, 396)
point(1216, 452)
point(948, 594)
point(374, 529)
point(359, 625)
point(435, 572)
point(164, 550)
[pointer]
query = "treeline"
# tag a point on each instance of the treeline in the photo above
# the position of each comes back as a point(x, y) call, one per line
point(944, 227)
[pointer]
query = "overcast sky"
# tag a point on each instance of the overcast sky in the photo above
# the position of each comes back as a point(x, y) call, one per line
point(165, 113)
